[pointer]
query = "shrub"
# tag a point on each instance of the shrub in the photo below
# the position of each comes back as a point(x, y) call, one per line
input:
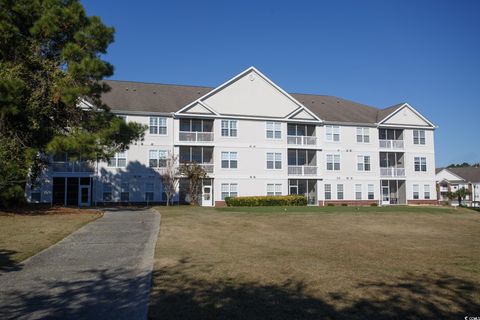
point(373, 204)
point(344, 204)
point(260, 201)
point(330, 205)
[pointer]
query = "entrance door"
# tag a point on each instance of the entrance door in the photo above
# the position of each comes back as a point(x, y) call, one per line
point(84, 196)
point(207, 196)
point(385, 195)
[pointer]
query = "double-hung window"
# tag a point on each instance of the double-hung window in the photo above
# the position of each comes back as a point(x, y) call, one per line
point(229, 160)
point(274, 189)
point(229, 128)
point(274, 130)
point(107, 192)
point(332, 133)
point(149, 187)
point(420, 164)
point(35, 193)
point(119, 160)
point(157, 158)
point(339, 191)
point(333, 162)
point(158, 125)
point(328, 191)
point(426, 192)
point(363, 135)
point(229, 190)
point(371, 192)
point(125, 191)
point(363, 163)
point(418, 136)
point(274, 160)
point(358, 192)
point(416, 192)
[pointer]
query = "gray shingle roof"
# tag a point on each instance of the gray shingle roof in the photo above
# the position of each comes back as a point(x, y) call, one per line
point(470, 174)
point(131, 96)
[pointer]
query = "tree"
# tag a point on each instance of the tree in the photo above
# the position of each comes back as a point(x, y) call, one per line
point(50, 89)
point(461, 194)
point(194, 173)
point(170, 177)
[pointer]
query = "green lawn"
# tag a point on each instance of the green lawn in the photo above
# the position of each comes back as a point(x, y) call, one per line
point(23, 235)
point(314, 263)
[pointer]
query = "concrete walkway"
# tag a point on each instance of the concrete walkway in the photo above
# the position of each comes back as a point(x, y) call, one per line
point(101, 271)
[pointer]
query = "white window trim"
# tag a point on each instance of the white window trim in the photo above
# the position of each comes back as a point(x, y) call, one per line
point(158, 158)
point(112, 198)
point(158, 126)
point(420, 164)
point(416, 189)
point(229, 159)
point(363, 135)
point(274, 160)
point(363, 162)
point(275, 192)
point(274, 123)
point(329, 191)
point(229, 189)
point(229, 128)
point(333, 127)
point(419, 131)
point(356, 190)
point(333, 163)
point(152, 192)
point(342, 191)
point(116, 158)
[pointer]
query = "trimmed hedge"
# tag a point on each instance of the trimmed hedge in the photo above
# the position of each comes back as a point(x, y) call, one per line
point(261, 201)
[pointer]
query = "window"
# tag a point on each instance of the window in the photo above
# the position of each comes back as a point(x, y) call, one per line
point(274, 130)
point(358, 192)
point(229, 190)
point(426, 191)
point(418, 136)
point(274, 160)
point(332, 133)
point(339, 191)
point(125, 192)
point(328, 191)
point(35, 193)
point(363, 135)
point(229, 160)
point(107, 192)
point(274, 189)
point(415, 191)
point(420, 164)
point(371, 192)
point(157, 158)
point(229, 128)
point(118, 161)
point(333, 162)
point(158, 125)
point(363, 163)
point(149, 187)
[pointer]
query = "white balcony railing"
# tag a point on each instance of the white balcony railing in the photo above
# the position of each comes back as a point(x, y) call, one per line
point(193, 136)
point(392, 172)
point(302, 140)
point(391, 144)
point(443, 189)
point(207, 167)
point(73, 166)
point(302, 170)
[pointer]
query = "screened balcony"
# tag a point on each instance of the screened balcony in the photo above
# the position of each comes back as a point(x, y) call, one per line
point(302, 162)
point(69, 164)
point(196, 130)
point(301, 135)
point(392, 164)
point(203, 156)
point(390, 138)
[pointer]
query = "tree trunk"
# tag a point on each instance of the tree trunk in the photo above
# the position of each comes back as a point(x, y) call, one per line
point(459, 200)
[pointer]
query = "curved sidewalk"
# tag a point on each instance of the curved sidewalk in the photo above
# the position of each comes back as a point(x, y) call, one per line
point(101, 271)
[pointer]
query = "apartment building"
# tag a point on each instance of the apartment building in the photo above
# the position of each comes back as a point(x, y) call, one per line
point(453, 179)
point(253, 138)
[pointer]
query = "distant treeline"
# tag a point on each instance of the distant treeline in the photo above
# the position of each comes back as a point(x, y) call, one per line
point(462, 165)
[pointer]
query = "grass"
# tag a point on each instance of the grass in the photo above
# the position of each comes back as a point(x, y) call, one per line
point(24, 234)
point(314, 263)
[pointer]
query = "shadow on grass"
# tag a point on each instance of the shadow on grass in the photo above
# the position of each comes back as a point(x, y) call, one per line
point(427, 296)
point(6, 261)
point(91, 294)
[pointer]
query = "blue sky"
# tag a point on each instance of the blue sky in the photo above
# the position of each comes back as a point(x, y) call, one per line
point(378, 53)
